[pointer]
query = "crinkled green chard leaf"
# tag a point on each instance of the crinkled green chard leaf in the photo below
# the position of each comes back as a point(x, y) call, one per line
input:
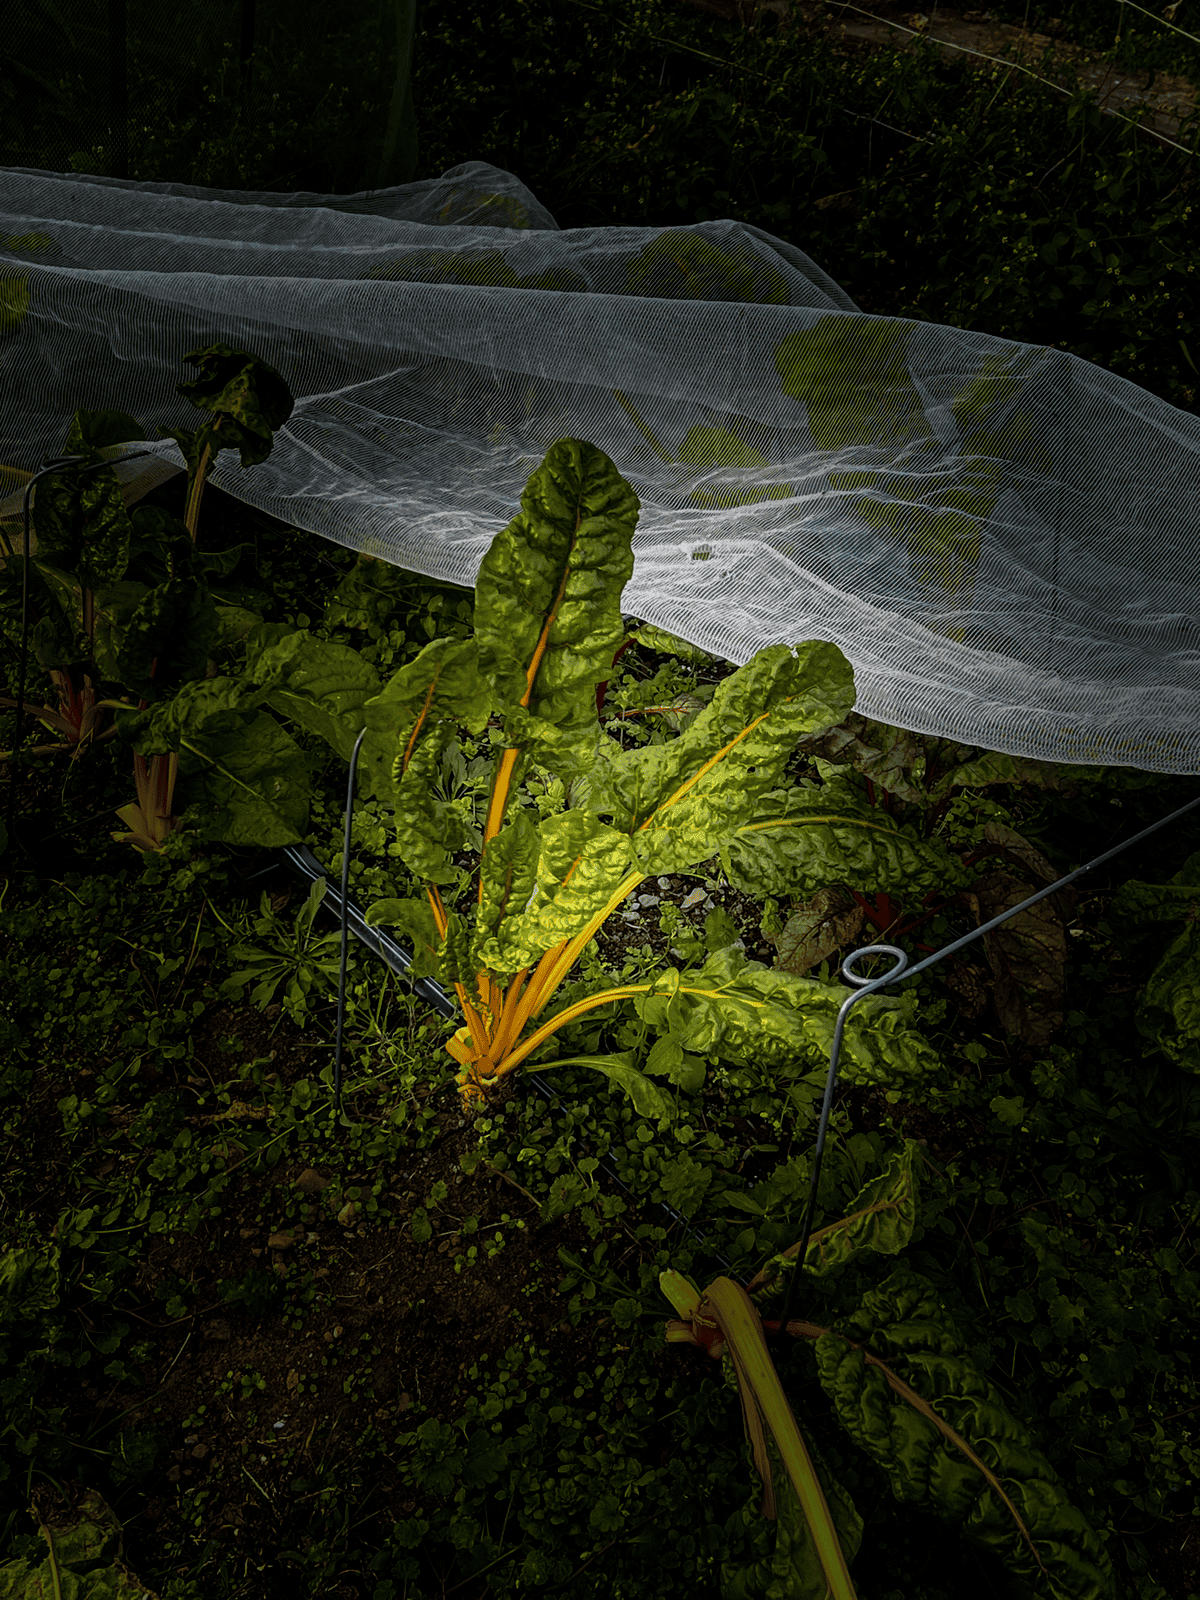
point(579, 863)
point(249, 399)
point(548, 609)
point(418, 712)
point(1168, 1013)
point(508, 874)
point(122, 605)
point(744, 1013)
point(247, 780)
point(324, 687)
point(669, 644)
point(82, 525)
point(802, 840)
point(881, 1218)
point(880, 752)
point(679, 801)
point(903, 763)
point(941, 1431)
point(83, 1563)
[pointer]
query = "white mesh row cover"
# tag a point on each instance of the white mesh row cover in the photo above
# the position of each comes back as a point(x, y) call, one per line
point(1000, 537)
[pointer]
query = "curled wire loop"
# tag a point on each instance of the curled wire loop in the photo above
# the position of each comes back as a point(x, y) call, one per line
point(901, 970)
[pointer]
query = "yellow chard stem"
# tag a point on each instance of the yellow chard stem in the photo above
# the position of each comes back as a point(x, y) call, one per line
point(498, 800)
point(191, 515)
point(440, 921)
point(502, 782)
point(763, 1400)
point(572, 951)
point(479, 1035)
point(512, 1015)
point(530, 997)
point(579, 1009)
point(556, 964)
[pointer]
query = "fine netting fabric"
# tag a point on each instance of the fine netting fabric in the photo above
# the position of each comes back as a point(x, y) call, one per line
point(1001, 538)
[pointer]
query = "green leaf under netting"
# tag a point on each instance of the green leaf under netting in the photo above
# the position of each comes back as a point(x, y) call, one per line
point(412, 720)
point(681, 264)
point(488, 267)
point(804, 839)
point(713, 447)
point(548, 604)
point(679, 801)
point(1043, 1540)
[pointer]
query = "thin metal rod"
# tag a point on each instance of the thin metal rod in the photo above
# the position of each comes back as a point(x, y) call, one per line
point(902, 969)
point(246, 52)
point(118, 91)
point(337, 1051)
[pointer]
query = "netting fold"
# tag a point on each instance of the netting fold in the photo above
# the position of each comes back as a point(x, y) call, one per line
point(1002, 538)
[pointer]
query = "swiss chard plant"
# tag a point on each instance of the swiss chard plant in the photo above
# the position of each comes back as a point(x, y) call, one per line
point(547, 619)
point(125, 597)
point(907, 1392)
